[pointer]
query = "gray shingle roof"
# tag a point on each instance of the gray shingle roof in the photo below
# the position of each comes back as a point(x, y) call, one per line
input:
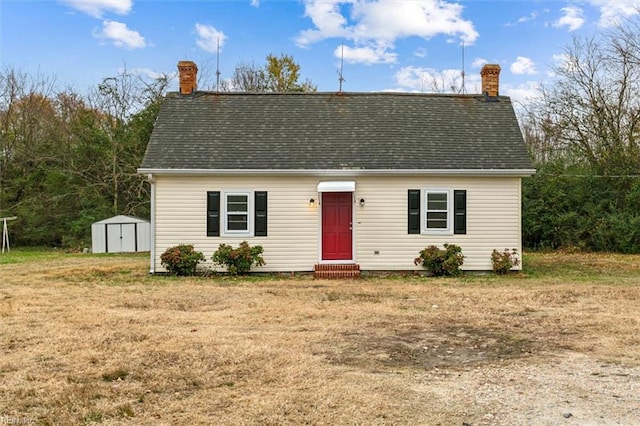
point(335, 131)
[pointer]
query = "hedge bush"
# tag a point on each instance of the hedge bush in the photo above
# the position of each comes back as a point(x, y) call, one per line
point(440, 262)
point(503, 261)
point(238, 261)
point(181, 259)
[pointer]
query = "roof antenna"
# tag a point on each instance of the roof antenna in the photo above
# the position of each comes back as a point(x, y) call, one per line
point(340, 77)
point(464, 91)
point(218, 66)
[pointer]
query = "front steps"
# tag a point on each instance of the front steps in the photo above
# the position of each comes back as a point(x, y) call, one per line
point(336, 271)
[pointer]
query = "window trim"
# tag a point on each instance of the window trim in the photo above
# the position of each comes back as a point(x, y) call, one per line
point(225, 231)
point(437, 231)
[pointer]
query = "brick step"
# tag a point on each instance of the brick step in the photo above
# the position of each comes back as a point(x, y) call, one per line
point(336, 271)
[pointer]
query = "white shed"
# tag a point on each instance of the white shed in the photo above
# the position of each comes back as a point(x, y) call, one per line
point(120, 234)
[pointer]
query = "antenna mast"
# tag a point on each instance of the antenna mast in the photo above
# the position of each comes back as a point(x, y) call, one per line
point(340, 77)
point(218, 66)
point(464, 91)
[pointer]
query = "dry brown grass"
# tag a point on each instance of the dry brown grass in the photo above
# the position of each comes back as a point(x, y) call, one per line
point(95, 339)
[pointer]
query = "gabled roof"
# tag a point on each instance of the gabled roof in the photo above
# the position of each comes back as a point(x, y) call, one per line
point(368, 132)
point(120, 219)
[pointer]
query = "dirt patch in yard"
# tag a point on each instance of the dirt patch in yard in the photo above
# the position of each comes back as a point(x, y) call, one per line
point(422, 349)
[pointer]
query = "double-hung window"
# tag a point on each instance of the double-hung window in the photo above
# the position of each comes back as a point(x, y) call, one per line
point(236, 215)
point(438, 211)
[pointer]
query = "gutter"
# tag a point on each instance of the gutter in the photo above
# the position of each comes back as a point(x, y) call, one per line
point(341, 172)
point(152, 235)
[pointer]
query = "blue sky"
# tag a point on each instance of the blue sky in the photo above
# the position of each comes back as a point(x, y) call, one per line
point(401, 45)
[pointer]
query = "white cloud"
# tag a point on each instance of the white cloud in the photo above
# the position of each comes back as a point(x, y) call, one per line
point(147, 72)
point(209, 37)
point(430, 80)
point(365, 55)
point(523, 65)
point(328, 20)
point(420, 52)
point(375, 26)
point(120, 35)
point(522, 94)
point(572, 18)
point(411, 78)
point(97, 8)
point(612, 11)
point(390, 20)
point(533, 15)
point(562, 62)
point(479, 63)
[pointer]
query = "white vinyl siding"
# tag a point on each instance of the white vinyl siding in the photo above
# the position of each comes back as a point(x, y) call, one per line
point(493, 221)
point(291, 244)
point(381, 241)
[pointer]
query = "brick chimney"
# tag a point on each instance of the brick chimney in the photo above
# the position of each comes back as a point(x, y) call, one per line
point(490, 80)
point(188, 72)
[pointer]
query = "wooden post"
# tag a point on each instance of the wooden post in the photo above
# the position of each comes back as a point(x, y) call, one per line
point(5, 233)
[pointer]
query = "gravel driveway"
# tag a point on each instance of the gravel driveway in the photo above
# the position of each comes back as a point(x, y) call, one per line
point(566, 389)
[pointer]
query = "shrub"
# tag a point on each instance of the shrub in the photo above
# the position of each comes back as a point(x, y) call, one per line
point(441, 262)
point(240, 260)
point(181, 259)
point(504, 261)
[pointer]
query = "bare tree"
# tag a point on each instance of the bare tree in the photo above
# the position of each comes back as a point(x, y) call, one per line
point(592, 110)
point(119, 99)
point(248, 77)
point(280, 74)
point(447, 81)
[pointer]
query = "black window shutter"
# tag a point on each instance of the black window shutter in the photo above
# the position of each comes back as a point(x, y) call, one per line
point(460, 211)
point(260, 225)
point(414, 211)
point(213, 213)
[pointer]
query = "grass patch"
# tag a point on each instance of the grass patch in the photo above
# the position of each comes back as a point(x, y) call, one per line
point(582, 266)
point(29, 254)
point(88, 338)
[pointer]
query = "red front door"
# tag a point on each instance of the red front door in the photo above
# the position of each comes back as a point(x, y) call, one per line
point(337, 210)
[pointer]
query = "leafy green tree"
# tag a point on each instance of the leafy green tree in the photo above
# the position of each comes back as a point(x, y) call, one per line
point(283, 75)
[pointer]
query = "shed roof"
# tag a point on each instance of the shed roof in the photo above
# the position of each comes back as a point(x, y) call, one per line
point(335, 131)
point(121, 219)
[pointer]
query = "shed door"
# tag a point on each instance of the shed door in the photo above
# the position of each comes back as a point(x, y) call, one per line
point(337, 224)
point(121, 237)
point(113, 238)
point(128, 237)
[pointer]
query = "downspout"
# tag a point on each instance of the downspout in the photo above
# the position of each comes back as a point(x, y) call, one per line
point(152, 233)
point(521, 252)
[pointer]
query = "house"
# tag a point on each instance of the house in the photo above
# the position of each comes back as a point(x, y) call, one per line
point(337, 180)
